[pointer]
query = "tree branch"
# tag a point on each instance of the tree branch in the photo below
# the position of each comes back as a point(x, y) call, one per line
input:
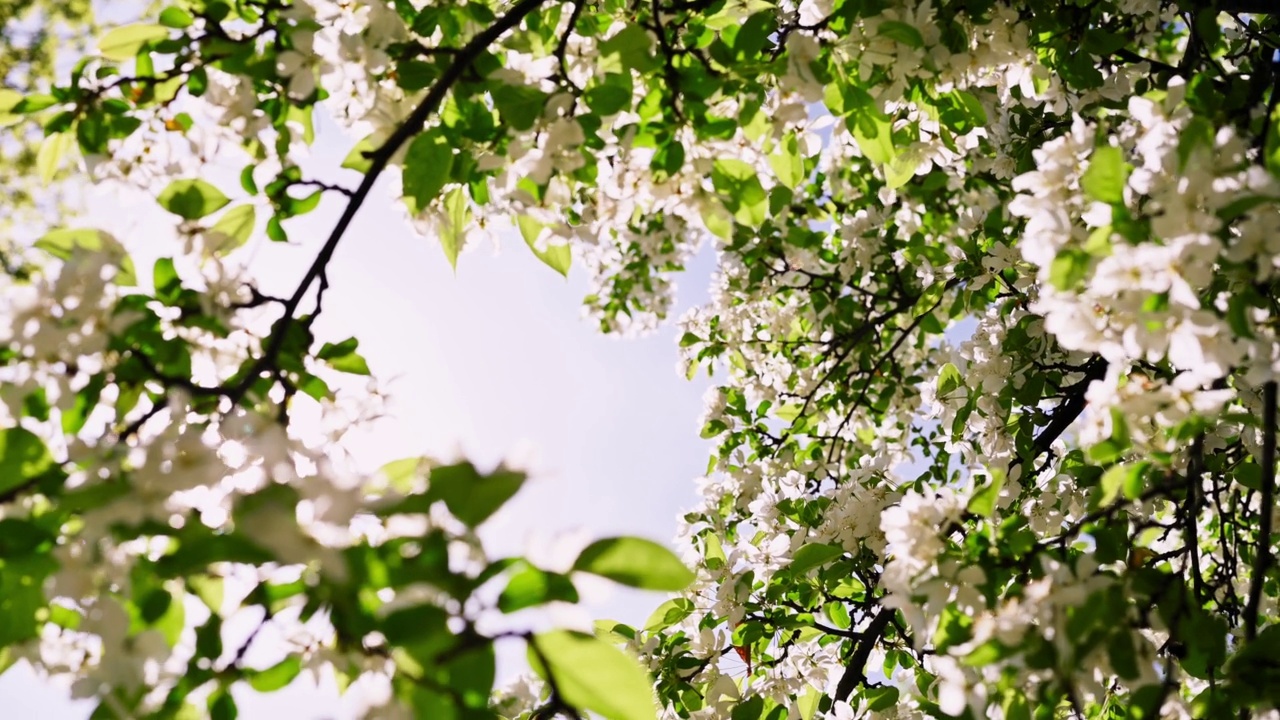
point(1262, 560)
point(1065, 413)
point(855, 672)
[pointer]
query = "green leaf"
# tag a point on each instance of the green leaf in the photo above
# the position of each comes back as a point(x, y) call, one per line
point(1104, 179)
point(356, 159)
point(210, 589)
point(222, 706)
point(302, 116)
point(975, 113)
point(470, 675)
point(1015, 707)
point(22, 594)
point(901, 32)
point(314, 387)
point(165, 280)
point(232, 230)
point(520, 106)
point(949, 379)
point(812, 555)
point(901, 169)
point(192, 199)
point(839, 614)
point(636, 562)
point(880, 698)
point(19, 538)
point(401, 473)
point(470, 496)
point(614, 632)
point(718, 220)
point(34, 102)
point(593, 675)
point(531, 586)
point(176, 17)
point(1102, 43)
point(124, 42)
point(1121, 653)
point(740, 190)
point(172, 620)
point(63, 242)
point(983, 501)
point(277, 676)
point(786, 162)
point(9, 100)
point(1249, 474)
point(874, 133)
point(457, 215)
point(343, 357)
point(1126, 478)
point(50, 155)
point(633, 46)
point(422, 629)
point(1070, 267)
point(426, 168)
point(987, 653)
point(668, 613)
point(750, 708)
point(430, 703)
point(23, 457)
point(754, 33)
point(64, 617)
point(611, 96)
point(91, 133)
point(1271, 146)
point(808, 702)
point(556, 256)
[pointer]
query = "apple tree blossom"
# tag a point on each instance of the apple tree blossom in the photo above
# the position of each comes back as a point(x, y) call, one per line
point(993, 328)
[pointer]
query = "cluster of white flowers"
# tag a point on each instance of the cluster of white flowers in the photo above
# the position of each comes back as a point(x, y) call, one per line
point(1183, 192)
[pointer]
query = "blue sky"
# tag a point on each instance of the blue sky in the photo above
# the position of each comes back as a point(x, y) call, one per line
point(492, 361)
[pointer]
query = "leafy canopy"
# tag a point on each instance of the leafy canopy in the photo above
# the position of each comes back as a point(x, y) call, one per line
point(993, 327)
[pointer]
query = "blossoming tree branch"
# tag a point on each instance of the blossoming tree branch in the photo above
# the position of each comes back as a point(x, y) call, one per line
point(994, 328)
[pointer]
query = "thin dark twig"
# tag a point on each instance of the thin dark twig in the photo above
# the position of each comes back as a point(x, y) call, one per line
point(330, 187)
point(563, 45)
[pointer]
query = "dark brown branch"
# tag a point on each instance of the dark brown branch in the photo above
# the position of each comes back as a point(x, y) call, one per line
point(855, 673)
point(1065, 413)
point(1262, 560)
